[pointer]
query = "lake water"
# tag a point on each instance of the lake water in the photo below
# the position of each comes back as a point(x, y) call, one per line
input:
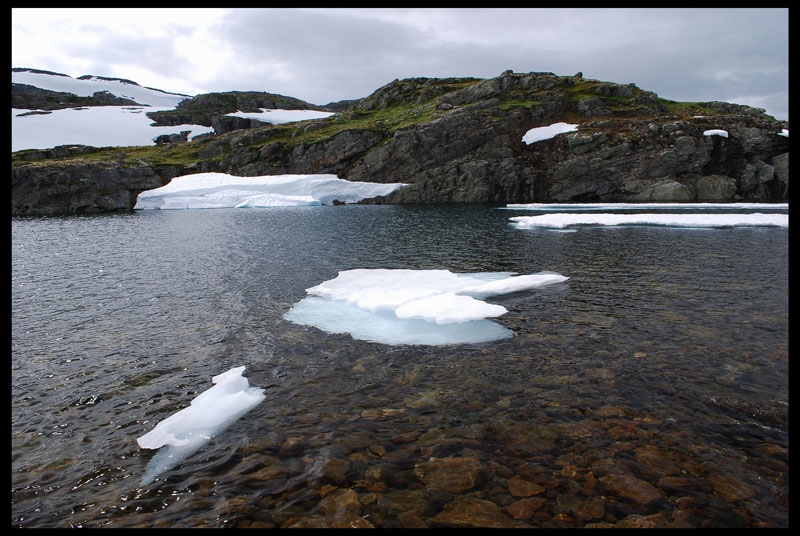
point(650, 389)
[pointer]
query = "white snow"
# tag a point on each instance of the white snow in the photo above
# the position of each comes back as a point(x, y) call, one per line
point(111, 126)
point(716, 132)
point(95, 126)
point(220, 190)
point(551, 131)
point(404, 306)
point(87, 88)
point(547, 132)
point(561, 220)
point(282, 116)
point(210, 413)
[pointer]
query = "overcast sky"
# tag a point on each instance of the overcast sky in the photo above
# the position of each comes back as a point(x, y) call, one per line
point(322, 55)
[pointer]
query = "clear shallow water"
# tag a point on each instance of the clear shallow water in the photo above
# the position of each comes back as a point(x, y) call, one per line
point(668, 339)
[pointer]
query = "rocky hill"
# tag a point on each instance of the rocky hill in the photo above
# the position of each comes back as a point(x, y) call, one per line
point(210, 110)
point(451, 140)
point(33, 98)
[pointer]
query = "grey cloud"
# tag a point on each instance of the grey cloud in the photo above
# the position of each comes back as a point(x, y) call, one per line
point(679, 54)
point(323, 55)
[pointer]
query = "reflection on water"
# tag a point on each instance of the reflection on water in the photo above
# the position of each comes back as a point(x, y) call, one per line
point(651, 388)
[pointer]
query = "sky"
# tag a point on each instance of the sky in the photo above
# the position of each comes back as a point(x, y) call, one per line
point(322, 55)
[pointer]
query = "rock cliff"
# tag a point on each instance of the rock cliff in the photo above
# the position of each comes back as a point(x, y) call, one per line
point(455, 140)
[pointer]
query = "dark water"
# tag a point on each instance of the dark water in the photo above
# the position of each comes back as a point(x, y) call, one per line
point(662, 363)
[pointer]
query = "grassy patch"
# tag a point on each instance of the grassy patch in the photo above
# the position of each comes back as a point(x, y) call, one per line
point(688, 109)
point(526, 103)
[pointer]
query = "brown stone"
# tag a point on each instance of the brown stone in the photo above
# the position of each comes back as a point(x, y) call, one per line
point(610, 411)
point(402, 501)
point(578, 430)
point(630, 487)
point(580, 509)
point(623, 430)
point(525, 508)
point(331, 469)
point(340, 500)
point(589, 481)
point(354, 441)
point(293, 445)
point(453, 475)
point(775, 465)
point(569, 471)
point(519, 487)
point(310, 522)
point(342, 509)
point(403, 454)
point(654, 461)
point(774, 450)
point(634, 521)
point(679, 485)
point(729, 489)
point(270, 472)
point(600, 525)
point(410, 520)
point(407, 437)
point(377, 487)
point(474, 512)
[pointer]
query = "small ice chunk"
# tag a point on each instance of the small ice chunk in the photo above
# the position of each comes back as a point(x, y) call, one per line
point(210, 413)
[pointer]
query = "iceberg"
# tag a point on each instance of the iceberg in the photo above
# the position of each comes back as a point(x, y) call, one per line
point(211, 412)
point(220, 190)
point(404, 306)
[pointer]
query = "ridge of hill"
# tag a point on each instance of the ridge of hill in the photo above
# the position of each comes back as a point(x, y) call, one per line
point(451, 140)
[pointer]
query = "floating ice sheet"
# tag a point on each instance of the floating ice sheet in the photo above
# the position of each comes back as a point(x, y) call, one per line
point(401, 306)
point(211, 412)
point(550, 207)
point(561, 220)
point(220, 190)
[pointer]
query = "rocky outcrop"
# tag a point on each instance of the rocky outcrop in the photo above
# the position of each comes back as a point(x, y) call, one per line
point(639, 154)
point(172, 138)
point(460, 140)
point(82, 187)
point(205, 109)
point(28, 97)
point(227, 123)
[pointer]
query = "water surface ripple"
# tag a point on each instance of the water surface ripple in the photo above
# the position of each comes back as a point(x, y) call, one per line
point(650, 388)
